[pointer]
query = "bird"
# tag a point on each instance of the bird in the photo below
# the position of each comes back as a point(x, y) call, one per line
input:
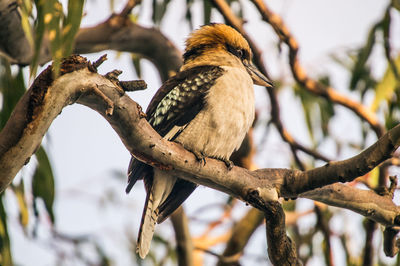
point(207, 107)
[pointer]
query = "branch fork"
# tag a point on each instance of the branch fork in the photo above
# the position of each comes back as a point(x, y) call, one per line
point(262, 188)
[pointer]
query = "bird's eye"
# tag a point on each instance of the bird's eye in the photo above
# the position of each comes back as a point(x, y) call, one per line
point(240, 53)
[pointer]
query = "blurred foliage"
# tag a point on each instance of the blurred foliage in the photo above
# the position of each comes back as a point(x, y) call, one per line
point(59, 28)
point(43, 182)
point(12, 87)
point(317, 111)
point(58, 22)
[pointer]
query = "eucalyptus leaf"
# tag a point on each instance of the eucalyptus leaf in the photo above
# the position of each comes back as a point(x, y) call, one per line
point(359, 72)
point(11, 88)
point(386, 87)
point(43, 182)
point(5, 248)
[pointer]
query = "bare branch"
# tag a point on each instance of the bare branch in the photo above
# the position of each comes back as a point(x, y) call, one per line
point(235, 22)
point(281, 249)
point(128, 7)
point(184, 243)
point(119, 33)
point(46, 98)
point(241, 233)
point(365, 202)
point(368, 256)
point(391, 244)
point(303, 79)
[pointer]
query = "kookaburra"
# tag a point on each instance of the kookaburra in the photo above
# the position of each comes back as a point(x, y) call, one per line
point(207, 107)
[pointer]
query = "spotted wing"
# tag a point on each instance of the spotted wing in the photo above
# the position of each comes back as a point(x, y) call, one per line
point(176, 103)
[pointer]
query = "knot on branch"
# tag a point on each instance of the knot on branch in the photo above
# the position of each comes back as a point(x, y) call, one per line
point(45, 79)
point(133, 85)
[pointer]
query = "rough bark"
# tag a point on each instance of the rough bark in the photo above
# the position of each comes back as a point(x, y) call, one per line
point(79, 82)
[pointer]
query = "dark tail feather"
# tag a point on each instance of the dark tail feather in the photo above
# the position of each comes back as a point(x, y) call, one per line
point(136, 170)
point(180, 192)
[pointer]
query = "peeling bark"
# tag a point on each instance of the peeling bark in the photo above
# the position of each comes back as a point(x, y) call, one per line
point(80, 83)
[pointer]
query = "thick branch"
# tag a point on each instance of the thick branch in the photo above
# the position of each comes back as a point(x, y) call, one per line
point(365, 202)
point(119, 33)
point(281, 249)
point(46, 98)
point(390, 243)
point(346, 170)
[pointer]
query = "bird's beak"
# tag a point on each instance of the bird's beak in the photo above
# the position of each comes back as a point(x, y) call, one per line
point(257, 77)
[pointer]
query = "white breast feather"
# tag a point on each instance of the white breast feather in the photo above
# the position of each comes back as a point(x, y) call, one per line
point(221, 126)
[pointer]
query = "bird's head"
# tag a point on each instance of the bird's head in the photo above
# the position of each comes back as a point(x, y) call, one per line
point(220, 44)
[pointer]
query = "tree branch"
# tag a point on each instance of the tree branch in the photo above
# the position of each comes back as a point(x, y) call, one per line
point(281, 249)
point(119, 33)
point(184, 243)
point(241, 233)
point(80, 83)
point(304, 80)
point(235, 22)
point(365, 202)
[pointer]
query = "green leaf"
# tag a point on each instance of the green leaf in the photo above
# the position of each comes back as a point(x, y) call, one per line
point(359, 70)
point(59, 29)
point(386, 87)
point(43, 182)
point(71, 25)
point(188, 14)
point(136, 64)
point(19, 192)
point(5, 249)
point(26, 10)
point(11, 88)
point(317, 111)
point(327, 112)
point(39, 33)
point(53, 17)
point(207, 7)
point(308, 102)
point(159, 9)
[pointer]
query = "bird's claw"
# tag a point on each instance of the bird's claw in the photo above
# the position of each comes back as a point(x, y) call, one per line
point(229, 164)
point(200, 157)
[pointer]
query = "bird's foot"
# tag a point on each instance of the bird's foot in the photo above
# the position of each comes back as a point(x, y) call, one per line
point(229, 164)
point(200, 157)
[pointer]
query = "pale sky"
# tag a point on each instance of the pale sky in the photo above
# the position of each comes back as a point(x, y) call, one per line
point(85, 150)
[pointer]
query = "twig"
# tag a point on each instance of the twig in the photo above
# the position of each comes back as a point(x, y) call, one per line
point(368, 256)
point(99, 61)
point(184, 244)
point(133, 85)
point(235, 22)
point(128, 7)
point(304, 80)
point(21, 136)
point(241, 234)
point(324, 227)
